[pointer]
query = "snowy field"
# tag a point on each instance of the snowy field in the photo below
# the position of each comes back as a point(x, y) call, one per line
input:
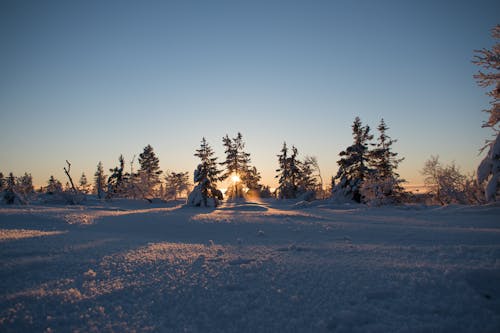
point(249, 267)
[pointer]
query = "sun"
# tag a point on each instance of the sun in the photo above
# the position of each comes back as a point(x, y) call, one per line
point(235, 178)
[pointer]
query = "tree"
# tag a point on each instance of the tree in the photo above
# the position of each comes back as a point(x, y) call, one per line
point(149, 171)
point(206, 176)
point(252, 179)
point(488, 172)
point(288, 173)
point(353, 164)
point(382, 185)
point(99, 181)
point(237, 164)
point(308, 180)
point(10, 194)
point(446, 184)
point(117, 179)
point(84, 184)
point(3, 182)
point(54, 186)
point(24, 185)
point(176, 183)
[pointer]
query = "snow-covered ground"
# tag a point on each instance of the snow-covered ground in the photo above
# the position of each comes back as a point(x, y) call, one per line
point(249, 267)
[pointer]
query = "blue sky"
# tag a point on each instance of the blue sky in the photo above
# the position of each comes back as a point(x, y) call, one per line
point(90, 80)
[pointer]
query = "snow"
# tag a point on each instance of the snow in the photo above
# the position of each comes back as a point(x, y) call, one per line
point(245, 267)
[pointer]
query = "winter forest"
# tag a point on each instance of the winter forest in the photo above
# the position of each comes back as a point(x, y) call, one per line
point(133, 247)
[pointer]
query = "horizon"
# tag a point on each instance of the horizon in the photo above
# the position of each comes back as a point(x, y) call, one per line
point(86, 82)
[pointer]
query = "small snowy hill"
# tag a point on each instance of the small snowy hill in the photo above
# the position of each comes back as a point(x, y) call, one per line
point(249, 267)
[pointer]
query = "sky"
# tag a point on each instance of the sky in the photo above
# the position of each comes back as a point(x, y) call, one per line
point(86, 81)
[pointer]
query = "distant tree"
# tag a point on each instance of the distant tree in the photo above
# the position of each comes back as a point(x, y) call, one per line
point(382, 184)
point(252, 180)
point(117, 179)
point(24, 185)
point(308, 181)
point(84, 184)
point(289, 173)
point(149, 171)
point(237, 165)
point(3, 182)
point(488, 172)
point(54, 186)
point(175, 184)
point(9, 194)
point(353, 164)
point(206, 176)
point(99, 181)
point(446, 184)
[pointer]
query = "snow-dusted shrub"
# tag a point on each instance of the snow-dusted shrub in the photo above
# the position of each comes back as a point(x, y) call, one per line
point(376, 191)
point(447, 185)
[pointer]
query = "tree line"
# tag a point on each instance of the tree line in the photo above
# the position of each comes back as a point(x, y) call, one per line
point(367, 170)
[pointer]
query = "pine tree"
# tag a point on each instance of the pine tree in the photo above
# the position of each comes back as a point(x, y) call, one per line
point(10, 195)
point(288, 173)
point(116, 180)
point(24, 185)
point(3, 182)
point(488, 172)
point(84, 185)
point(308, 181)
point(54, 186)
point(353, 164)
point(99, 181)
point(176, 183)
point(383, 184)
point(237, 164)
point(149, 171)
point(252, 179)
point(206, 177)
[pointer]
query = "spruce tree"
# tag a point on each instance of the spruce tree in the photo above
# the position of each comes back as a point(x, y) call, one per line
point(99, 181)
point(176, 183)
point(84, 184)
point(24, 185)
point(206, 177)
point(237, 164)
point(383, 184)
point(3, 182)
point(10, 195)
point(353, 164)
point(54, 186)
point(116, 179)
point(289, 173)
point(149, 171)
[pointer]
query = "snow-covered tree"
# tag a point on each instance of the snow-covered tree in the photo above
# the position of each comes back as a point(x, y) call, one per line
point(54, 186)
point(84, 184)
point(149, 171)
point(206, 176)
point(308, 178)
point(99, 181)
point(24, 185)
point(117, 179)
point(353, 164)
point(237, 165)
point(252, 181)
point(175, 184)
point(446, 184)
point(288, 173)
point(489, 169)
point(382, 184)
point(3, 182)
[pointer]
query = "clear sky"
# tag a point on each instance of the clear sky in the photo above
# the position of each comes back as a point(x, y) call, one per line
point(90, 80)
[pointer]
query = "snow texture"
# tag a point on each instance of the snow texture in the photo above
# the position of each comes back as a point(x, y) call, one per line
point(271, 266)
